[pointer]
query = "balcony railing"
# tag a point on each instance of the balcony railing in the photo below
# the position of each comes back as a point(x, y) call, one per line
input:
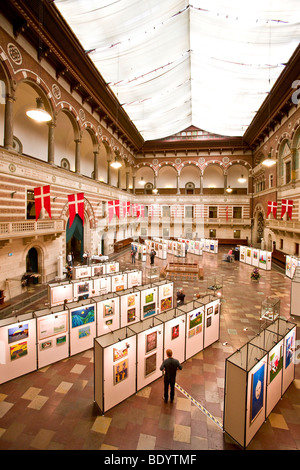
point(29, 228)
point(286, 225)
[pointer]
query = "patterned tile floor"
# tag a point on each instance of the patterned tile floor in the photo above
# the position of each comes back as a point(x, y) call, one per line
point(53, 408)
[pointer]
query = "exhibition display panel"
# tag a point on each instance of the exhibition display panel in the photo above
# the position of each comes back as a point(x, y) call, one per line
point(291, 262)
point(17, 346)
point(118, 282)
point(60, 292)
point(52, 335)
point(149, 338)
point(80, 272)
point(134, 278)
point(295, 293)
point(165, 294)
point(82, 289)
point(82, 320)
point(101, 285)
point(256, 376)
point(149, 300)
point(108, 313)
point(174, 321)
point(255, 257)
point(195, 312)
point(130, 305)
point(115, 368)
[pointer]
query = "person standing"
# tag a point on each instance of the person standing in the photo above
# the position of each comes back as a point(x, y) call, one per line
point(70, 259)
point(152, 256)
point(133, 255)
point(170, 367)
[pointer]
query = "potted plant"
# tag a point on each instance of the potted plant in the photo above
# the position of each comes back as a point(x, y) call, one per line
point(255, 274)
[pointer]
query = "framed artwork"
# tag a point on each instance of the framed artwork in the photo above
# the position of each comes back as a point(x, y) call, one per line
point(149, 310)
point(82, 316)
point(120, 287)
point(217, 309)
point(131, 315)
point(289, 349)
point(149, 298)
point(108, 309)
point(109, 322)
point(52, 325)
point(120, 371)
point(257, 392)
point(61, 340)
point(119, 353)
point(18, 350)
point(131, 300)
point(150, 364)
point(82, 288)
point(198, 329)
point(166, 303)
point(98, 270)
point(46, 345)
point(210, 310)
point(16, 333)
point(166, 290)
point(208, 322)
point(151, 341)
point(195, 319)
point(275, 362)
point(192, 332)
point(84, 332)
point(175, 332)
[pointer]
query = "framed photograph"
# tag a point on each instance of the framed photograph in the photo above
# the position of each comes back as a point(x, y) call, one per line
point(275, 362)
point(175, 332)
point(61, 340)
point(82, 316)
point(217, 309)
point(82, 288)
point(98, 270)
point(165, 304)
point(120, 371)
point(208, 322)
point(257, 392)
point(289, 349)
point(84, 332)
point(151, 341)
point(150, 364)
point(46, 345)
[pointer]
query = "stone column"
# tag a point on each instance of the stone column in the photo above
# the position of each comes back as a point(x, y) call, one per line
point(51, 127)
point(133, 184)
point(201, 183)
point(8, 122)
point(108, 172)
point(177, 183)
point(77, 155)
point(225, 182)
point(96, 166)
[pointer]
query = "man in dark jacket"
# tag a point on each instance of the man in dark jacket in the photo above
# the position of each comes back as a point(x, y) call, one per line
point(170, 366)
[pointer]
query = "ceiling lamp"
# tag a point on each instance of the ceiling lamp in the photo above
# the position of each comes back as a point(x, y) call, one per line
point(269, 161)
point(39, 114)
point(229, 190)
point(116, 164)
point(242, 179)
point(142, 182)
point(155, 190)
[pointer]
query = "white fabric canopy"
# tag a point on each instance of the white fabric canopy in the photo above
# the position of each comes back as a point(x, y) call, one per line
point(171, 65)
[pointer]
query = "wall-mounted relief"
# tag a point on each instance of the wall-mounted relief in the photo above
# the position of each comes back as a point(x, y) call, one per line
point(14, 53)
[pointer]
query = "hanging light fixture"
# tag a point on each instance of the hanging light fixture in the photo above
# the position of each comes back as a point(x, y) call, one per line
point(155, 190)
point(116, 163)
point(142, 182)
point(242, 179)
point(39, 114)
point(269, 161)
point(229, 190)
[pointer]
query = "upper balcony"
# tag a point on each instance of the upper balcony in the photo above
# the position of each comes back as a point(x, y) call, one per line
point(27, 229)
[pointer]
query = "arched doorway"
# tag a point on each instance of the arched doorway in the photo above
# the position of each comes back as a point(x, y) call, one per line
point(32, 261)
point(75, 239)
point(260, 227)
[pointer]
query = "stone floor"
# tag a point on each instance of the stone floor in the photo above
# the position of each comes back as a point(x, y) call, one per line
point(53, 408)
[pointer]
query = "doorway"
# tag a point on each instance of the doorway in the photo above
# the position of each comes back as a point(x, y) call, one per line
point(32, 261)
point(75, 239)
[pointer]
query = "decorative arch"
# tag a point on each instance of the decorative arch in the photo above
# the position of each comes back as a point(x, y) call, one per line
point(88, 212)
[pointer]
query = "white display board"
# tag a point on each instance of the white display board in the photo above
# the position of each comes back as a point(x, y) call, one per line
point(255, 257)
point(274, 378)
point(194, 331)
point(149, 351)
point(108, 313)
point(82, 320)
point(112, 267)
point(174, 332)
point(58, 293)
point(52, 335)
point(118, 282)
point(17, 347)
point(82, 290)
point(115, 368)
point(165, 295)
point(243, 254)
point(134, 278)
point(98, 269)
point(130, 305)
point(101, 285)
point(149, 301)
point(81, 272)
point(248, 253)
point(211, 322)
point(289, 345)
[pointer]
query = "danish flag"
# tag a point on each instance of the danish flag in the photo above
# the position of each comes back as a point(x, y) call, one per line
point(126, 208)
point(113, 208)
point(76, 206)
point(42, 199)
point(286, 206)
point(272, 207)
